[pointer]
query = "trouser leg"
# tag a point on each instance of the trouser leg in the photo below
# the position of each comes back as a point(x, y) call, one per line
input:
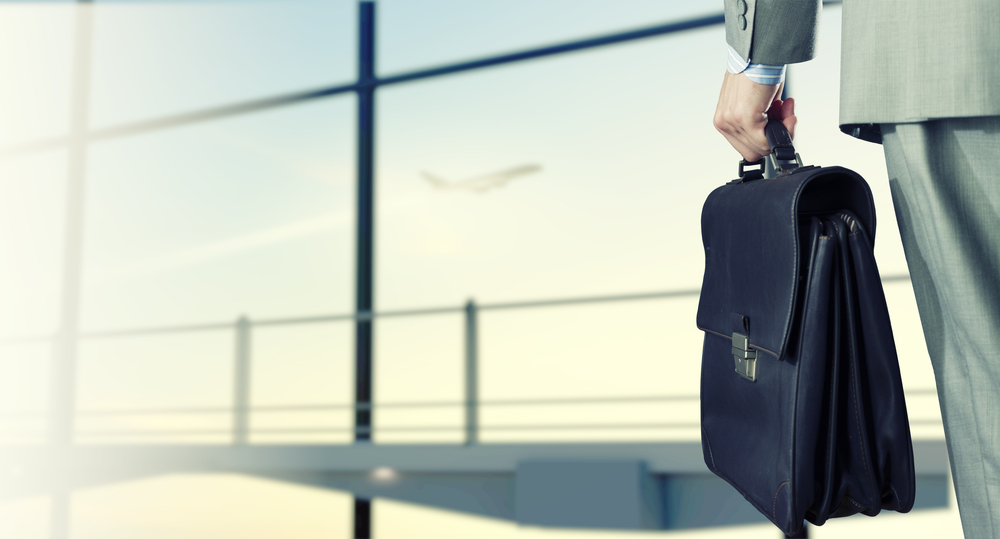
point(945, 181)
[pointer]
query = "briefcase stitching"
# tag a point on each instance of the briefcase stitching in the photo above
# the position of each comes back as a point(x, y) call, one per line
point(861, 507)
point(715, 332)
point(708, 443)
point(729, 338)
point(774, 506)
point(850, 222)
point(894, 493)
point(750, 497)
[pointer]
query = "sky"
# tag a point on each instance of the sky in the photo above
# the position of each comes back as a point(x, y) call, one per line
point(253, 216)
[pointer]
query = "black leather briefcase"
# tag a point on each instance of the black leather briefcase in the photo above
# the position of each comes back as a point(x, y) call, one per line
point(802, 406)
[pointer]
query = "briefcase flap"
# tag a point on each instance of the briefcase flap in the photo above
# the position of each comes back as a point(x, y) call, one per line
point(754, 255)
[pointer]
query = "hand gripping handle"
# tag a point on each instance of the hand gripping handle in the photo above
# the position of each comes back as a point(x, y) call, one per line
point(782, 158)
point(779, 140)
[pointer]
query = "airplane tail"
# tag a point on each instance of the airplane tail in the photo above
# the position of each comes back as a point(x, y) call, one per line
point(438, 183)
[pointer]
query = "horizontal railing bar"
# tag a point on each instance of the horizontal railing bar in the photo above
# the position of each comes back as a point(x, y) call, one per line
point(28, 339)
point(584, 400)
point(429, 428)
point(156, 411)
point(363, 315)
point(413, 404)
point(369, 406)
point(399, 313)
point(306, 320)
point(596, 426)
point(591, 299)
point(157, 331)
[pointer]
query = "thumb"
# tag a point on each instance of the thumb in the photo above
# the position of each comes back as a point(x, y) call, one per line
point(787, 116)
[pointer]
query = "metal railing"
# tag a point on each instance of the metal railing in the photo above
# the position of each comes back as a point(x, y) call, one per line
point(242, 408)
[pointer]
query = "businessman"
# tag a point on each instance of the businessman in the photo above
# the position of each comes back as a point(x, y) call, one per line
point(923, 79)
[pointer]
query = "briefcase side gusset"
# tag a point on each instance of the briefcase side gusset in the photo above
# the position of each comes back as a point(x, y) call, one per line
point(886, 402)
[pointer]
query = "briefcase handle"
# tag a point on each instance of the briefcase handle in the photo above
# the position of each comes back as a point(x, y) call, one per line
point(783, 159)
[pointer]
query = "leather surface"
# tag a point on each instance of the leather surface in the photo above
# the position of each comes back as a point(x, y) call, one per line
point(750, 232)
point(822, 432)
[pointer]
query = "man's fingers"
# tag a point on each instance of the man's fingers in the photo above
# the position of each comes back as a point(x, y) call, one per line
point(787, 116)
point(745, 151)
point(742, 112)
point(790, 125)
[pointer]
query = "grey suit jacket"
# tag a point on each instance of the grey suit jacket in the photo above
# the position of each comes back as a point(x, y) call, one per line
point(901, 60)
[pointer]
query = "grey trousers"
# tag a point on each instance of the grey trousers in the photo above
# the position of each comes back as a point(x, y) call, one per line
point(945, 181)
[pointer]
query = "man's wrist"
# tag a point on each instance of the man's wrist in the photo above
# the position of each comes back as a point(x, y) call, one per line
point(759, 73)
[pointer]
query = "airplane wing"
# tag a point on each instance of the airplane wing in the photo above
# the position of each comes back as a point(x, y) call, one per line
point(501, 178)
point(481, 184)
point(435, 181)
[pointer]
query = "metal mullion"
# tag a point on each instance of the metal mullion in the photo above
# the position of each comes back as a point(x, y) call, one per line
point(310, 95)
point(365, 242)
point(361, 86)
point(365, 247)
point(572, 46)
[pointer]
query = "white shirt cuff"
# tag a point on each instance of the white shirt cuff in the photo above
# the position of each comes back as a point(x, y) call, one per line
point(759, 73)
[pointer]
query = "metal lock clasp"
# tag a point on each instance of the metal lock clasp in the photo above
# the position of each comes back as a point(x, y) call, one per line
point(745, 357)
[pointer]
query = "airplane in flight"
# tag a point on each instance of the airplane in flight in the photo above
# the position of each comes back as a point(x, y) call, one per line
point(481, 184)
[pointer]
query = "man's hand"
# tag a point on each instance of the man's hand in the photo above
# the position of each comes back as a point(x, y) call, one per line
point(743, 110)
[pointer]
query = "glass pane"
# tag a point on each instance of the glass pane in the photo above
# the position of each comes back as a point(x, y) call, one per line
point(922, 406)
point(36, 56)
point(209, 506)
point(156, 388)
point(624, 371)
point(24, 395)
point(32, 209)
point(252, 215)
point(153, 59)
point(564, 182)
point(551, 179)
point(419, 379)
point(25, 518)
point(416, 34)
point(302, 383)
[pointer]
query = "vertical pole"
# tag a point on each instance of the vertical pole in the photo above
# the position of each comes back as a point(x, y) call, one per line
point(362, 519)
point(803, 533)
point(62, 390)
point(241, 383)
point(471, 375)
point(62, 385)
point(364, 276)
point(59, 523)
point(366, 223)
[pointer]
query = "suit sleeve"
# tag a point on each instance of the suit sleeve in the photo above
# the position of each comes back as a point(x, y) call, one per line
point(773, 31)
